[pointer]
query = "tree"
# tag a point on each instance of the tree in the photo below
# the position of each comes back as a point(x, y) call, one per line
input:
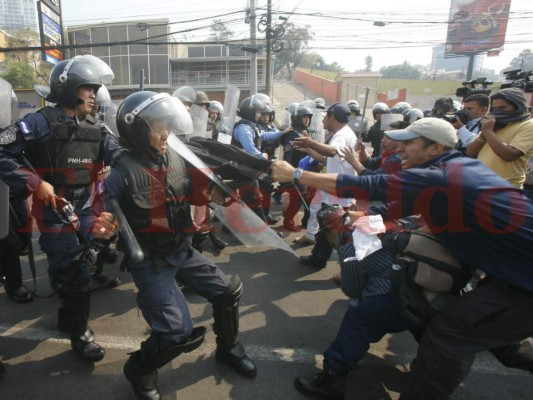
point(23, 64)
point(401, 71)
point(523, 61)
point(368, 62)
point(19, 75)
point(296, 40)
point(219, 30)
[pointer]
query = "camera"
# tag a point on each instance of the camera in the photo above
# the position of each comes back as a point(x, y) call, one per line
point(460, 115)
point(520, 79)
point(475, 86)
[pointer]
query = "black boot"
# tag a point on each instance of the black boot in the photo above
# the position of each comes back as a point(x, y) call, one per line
point(198, 240)
point(218, 243)
point(226, 327)
point(13, 279)
point(74, 315)
point(141, 368)
point(325, 385)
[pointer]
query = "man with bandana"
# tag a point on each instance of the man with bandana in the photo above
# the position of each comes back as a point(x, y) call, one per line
point(505, 142)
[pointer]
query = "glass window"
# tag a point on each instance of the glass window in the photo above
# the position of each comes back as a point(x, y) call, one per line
point(213, 51)
point(99, 35)
point(236, 51)
point(118, 34)
point(135, 34)
point(197, 51)
point(158, 70)
point(119, 65)
point(161, 31)
point(136, 64)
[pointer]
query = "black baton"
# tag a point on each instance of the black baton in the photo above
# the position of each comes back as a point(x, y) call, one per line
point(134, 251)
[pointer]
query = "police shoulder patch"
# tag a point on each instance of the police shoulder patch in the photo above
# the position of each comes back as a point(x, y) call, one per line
point(9, 134)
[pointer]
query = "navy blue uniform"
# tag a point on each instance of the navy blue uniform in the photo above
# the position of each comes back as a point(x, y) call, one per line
point(34, 131)
point(161, 301)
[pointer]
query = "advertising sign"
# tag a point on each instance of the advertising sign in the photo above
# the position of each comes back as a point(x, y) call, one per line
point(476, 26)
point(51, 32)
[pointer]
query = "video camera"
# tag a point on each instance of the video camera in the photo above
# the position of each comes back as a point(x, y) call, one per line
point(520, 79)
point(475, 86)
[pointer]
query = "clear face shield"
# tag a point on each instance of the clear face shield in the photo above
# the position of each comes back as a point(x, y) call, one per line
point(164, 113)
point(89, 69)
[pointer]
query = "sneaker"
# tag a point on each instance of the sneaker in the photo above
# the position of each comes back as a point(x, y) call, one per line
point(305, 241)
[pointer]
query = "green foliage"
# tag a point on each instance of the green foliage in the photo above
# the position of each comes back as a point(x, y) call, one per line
point(20, 75)
point(368, 62)
point(220, 31)
point(296, 39)
point(401, 71)
point(524, 61)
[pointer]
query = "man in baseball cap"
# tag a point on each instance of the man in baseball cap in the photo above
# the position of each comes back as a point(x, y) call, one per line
point(434, 129)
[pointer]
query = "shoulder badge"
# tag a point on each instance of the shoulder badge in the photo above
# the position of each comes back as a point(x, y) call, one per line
point(9, 134)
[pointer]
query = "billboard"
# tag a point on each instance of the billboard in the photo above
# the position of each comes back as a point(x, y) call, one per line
point(476, 26)
point(51, 33)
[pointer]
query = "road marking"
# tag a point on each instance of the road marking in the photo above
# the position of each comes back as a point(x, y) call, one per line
point(484, 363)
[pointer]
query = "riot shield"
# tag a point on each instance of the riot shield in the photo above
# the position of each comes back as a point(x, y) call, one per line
point(358, 125)
point(316, 129)
point(237, 217)
point(231, 104)
point(4, 210)
point(199, 116)
point(387, 119)
point(5, 103)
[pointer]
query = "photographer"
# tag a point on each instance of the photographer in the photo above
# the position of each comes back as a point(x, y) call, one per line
point(467, 120)
point(505, 143)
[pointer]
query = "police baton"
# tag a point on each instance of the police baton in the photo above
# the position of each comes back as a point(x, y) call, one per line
point(133, 249)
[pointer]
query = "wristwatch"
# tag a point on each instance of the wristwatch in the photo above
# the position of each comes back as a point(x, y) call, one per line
point(296, 175)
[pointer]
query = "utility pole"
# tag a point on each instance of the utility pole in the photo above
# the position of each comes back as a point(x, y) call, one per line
point(253, 54)
point(268, 71)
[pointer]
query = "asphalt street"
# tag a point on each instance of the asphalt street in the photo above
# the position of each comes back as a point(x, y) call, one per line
point(289, 314)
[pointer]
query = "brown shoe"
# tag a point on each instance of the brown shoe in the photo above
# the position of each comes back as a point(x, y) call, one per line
point(304, 241)
point(337, 279)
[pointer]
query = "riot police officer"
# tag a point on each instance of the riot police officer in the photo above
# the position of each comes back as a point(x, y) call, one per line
point(154, 186)
point(375, 133)
point(248, 136)
point(66, 147)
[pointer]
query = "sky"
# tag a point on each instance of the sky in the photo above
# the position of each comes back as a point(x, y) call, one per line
point(343, 30)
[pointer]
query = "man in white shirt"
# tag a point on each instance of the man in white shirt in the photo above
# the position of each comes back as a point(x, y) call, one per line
point(336, 122)
point(475, 107)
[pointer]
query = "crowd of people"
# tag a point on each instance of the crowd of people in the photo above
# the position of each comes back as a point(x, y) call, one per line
point(462, 171)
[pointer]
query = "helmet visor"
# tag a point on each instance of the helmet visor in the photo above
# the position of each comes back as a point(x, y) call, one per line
point(169, 114)
point(90, 69)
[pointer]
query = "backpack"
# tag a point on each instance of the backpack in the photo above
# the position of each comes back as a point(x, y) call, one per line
point(425, 276)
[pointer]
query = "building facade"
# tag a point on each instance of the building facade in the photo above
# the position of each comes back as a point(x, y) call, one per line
point(18, 14)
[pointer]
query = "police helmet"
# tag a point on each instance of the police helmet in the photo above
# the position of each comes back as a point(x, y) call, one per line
point(68, 75)
point(216, 106)
point(139, 113)
point(186, 94)
point(320, 103)
point(201, 99)
point(380, 108)
point(308, 103)
point(352, 102)
point(291, 108)
point(413, 115)
point(296, 117)
point(400, 107)
point(103, 98)
point(249, 106)
point(264, 98)
point(355, 108)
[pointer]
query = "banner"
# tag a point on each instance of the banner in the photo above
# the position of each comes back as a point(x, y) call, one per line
point(476, 26)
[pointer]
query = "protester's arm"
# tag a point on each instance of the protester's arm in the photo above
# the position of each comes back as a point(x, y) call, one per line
point(503, 150)
point(307, 142)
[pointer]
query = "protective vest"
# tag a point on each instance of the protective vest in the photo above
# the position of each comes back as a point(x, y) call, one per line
point(257, 133)
point(72, 155)
point(157, 211)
